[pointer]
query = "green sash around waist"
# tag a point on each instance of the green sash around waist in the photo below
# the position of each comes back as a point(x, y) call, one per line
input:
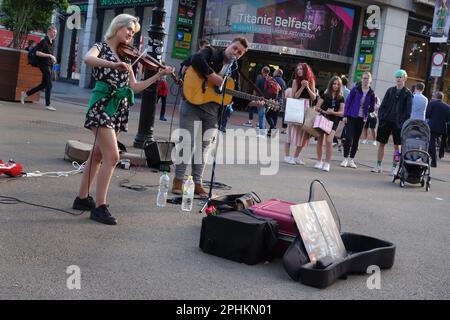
point(115, 96)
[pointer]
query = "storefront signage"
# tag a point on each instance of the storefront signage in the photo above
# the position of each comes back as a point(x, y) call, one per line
point(124, 3)
point(83, 5)
point(286, 50)
point(182, 44)
point(300, 25)
point(366, 52)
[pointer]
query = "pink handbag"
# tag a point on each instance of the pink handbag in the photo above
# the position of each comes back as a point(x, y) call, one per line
point(322, 123)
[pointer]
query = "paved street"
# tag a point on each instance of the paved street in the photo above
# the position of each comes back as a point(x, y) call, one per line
point(153, 253)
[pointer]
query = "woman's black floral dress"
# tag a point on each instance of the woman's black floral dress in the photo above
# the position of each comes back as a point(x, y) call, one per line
point(96, 116)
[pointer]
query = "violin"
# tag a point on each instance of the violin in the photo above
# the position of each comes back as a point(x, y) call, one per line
point(147, 61)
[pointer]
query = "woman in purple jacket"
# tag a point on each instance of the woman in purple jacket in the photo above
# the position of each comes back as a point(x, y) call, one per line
point(359, 103)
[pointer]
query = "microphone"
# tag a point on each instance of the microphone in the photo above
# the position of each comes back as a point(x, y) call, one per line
point(228, 72)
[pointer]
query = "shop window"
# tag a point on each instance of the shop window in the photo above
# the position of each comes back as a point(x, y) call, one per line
point(416, 55)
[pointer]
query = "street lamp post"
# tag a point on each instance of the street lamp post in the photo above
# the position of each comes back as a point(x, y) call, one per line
point(155, 44)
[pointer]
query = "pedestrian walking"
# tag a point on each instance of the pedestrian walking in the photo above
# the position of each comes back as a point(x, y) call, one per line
point(438, 113)
point(44, 51)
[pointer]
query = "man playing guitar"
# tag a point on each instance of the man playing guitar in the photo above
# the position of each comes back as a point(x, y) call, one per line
point(211, 64)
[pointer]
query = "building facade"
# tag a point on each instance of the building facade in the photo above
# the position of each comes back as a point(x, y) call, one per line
point(335, 37)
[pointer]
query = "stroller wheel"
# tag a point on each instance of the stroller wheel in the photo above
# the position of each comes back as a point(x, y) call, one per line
point(402, 183)
point(427, 188)
point(422, 183)
point(394, 178)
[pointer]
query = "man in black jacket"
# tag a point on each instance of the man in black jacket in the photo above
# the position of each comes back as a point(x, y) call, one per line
point(438, 113)
point(212, 64)
point(44, 51)
point(394, 110)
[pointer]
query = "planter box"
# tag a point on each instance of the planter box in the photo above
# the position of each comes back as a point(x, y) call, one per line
point(17, 75)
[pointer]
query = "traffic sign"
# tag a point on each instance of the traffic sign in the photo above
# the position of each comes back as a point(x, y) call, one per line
point(437, 63)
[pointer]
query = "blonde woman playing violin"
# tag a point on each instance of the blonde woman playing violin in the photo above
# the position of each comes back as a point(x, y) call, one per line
point(107, 113)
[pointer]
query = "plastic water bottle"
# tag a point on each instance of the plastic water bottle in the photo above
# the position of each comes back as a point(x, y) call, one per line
point(161, 199)
point(188, 195)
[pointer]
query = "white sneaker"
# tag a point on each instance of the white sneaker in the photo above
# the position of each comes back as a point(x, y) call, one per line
point(344, 163)
point(289, 160)
point(352, 164)
point(50, 108)
point(23, 96)
point(364, 141)
point(299, 161)
point(377, 169)
point(374, 143)
point(248, 124)
point(394, 170)
point(326, 167)
point(318, 165)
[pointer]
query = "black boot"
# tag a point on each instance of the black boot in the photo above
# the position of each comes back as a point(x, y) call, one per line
point(84, 204)
point(102, 215)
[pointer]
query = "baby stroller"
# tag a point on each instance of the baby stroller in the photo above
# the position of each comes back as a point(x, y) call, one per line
point(415, 160)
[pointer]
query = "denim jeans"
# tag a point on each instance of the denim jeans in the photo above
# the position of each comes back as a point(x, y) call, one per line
point(261, 117)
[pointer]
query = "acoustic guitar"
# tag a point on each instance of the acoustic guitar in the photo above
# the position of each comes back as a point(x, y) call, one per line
point(198, 90)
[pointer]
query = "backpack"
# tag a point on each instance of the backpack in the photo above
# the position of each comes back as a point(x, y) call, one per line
point(33, 59)
point(271, 88)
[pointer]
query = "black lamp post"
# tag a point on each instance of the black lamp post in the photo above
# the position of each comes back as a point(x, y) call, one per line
point(155, 42)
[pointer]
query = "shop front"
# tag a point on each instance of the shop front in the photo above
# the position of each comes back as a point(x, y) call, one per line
point(282, 34)
point(69, 53)
point(417, 53)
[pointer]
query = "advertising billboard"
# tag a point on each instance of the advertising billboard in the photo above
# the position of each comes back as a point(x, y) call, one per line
point(318, 29)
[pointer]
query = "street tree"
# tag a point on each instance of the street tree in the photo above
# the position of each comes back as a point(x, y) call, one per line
point(23, 16)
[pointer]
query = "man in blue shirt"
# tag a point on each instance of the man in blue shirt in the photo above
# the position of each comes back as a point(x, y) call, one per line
point(419, 103)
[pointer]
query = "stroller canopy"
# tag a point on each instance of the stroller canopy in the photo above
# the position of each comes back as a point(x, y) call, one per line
point(415, 134)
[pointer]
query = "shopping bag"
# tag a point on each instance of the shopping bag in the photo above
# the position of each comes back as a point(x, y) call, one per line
point(340, 130)
point(308, 123)
point(295, 110)
point(322, 123)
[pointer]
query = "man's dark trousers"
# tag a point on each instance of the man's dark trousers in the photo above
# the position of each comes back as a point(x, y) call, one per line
point(45, 83)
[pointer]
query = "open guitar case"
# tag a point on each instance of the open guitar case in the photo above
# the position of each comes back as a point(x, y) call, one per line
point(362, 252)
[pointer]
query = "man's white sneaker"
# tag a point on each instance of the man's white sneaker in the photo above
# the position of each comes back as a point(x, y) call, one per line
point(352, 164)
point(374, 143)
point(377, 169)
point(344, 163)
point(318, 165)
point(50, 108)
point(326, 167)
point(364, 141)
point(23, 96)
point(299, 161)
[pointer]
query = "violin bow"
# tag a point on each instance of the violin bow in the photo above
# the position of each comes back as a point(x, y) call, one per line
point(144, 52)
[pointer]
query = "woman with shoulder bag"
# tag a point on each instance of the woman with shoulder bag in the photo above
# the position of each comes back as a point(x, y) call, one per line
point(303, 87)
point(331, 105)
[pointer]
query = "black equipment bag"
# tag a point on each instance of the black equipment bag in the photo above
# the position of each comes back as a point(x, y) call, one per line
point(239, 236)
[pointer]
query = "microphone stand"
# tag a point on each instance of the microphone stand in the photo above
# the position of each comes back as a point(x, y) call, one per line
point(222, 90)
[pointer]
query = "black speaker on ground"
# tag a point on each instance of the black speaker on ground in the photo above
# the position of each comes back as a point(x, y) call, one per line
point(159, 154)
